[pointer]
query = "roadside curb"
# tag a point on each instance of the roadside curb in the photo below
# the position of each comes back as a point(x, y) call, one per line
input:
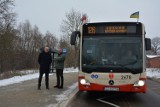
point(70, 96)
point(153, 79)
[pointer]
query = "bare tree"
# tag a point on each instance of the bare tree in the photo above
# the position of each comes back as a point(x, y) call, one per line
point(70, 57)
point(50, 40)
point(7, 16)
point(7, 34)
point(19, 46)
point(71, 23)
point(6, 46)
point(156, 45)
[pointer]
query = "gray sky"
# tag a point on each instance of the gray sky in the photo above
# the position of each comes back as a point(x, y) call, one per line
point(48, 14)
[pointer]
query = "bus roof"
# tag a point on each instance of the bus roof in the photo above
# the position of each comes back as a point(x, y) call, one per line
point(114, 23)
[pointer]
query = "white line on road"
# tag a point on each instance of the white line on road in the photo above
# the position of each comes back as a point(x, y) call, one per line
point(106, 102)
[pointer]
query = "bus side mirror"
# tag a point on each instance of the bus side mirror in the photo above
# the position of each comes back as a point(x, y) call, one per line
point(148, 43)
point(74, 36)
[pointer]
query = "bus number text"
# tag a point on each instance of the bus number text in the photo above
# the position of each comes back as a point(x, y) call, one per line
point(125, 77)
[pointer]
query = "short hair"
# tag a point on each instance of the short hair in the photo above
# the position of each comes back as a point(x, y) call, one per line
point(46, 47)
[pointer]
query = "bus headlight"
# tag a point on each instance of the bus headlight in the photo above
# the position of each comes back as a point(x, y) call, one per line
point(83, 81)
point(139, 83)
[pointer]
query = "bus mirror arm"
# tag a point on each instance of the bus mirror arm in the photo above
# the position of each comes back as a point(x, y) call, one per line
point(148, 43)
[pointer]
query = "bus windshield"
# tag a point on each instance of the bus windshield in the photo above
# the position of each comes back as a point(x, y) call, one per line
point(112, 54)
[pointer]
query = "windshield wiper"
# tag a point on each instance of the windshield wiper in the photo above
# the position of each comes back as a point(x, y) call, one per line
point(94, 69)
point(102, 68)
point(124, 66)
point(133, 62)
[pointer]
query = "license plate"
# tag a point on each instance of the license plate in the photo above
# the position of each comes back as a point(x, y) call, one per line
point(111, 89)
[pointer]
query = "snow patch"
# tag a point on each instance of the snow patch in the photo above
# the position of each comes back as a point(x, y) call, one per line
point(153, 56)
point(153, 73)
point(69, 70)
point(64, 96)
point(19, 79)
point(29, 71)
point(52, 105)
point(60, 98)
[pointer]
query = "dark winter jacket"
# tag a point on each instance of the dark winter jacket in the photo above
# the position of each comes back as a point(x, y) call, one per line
point(44, 60)
point(59, 61)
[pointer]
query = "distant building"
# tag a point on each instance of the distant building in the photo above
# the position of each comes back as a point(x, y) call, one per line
point(153, 61)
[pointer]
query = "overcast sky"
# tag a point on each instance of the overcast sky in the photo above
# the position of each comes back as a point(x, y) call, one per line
point(48, 14)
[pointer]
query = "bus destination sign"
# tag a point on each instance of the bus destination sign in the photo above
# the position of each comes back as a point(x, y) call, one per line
point(110, 29)
point(115, 29)
point(93, 29)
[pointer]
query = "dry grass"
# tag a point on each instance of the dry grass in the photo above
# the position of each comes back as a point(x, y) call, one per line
point(9, 74)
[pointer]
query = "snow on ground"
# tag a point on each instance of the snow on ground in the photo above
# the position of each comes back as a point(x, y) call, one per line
point(28, 71)
point(153, 56)
point(153, 73)
point(19, 79)
point(69, 70)
point(64, 96)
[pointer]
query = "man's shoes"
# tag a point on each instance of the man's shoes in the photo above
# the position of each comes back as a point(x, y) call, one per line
point(47, 88)
point(39, 88)
point(61, 87)
point(56, 86)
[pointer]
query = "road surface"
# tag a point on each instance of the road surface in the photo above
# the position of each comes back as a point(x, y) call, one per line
point(25, 94)
point(114, 99)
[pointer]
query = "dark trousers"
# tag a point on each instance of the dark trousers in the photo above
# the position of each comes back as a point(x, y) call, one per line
point(60, 79)
point(46, 79)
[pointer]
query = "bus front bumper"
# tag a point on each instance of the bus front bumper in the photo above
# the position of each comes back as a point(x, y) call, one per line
point(119, 88)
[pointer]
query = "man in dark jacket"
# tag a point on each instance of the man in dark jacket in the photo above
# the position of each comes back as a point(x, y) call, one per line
point(59, 65)
point(44, 60)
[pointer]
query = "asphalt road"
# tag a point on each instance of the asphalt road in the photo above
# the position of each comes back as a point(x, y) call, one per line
point(25, 94)
point(115, 99)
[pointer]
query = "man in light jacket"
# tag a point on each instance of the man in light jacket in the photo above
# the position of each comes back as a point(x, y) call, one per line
point(59, 65)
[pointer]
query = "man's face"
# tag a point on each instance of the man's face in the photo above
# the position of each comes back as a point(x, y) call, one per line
point(46, 49)
point(59, 51)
